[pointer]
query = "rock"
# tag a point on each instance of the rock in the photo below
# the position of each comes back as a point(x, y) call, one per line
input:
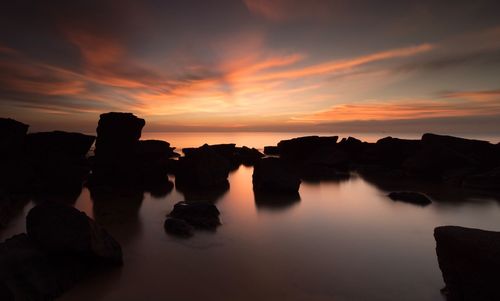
point(60, 229)
point(248, 156)
point(489, 180)
point(117, 135)
point(28, 273)
point(271, 150)
point(12, 135)
point(391, 152)
point(178, 227)
point(197, 213)
point(201, 168)
point(300, 148)
point(58, 143)
point(272, 175)
point(469, 260)
point(152, 150)
point(410, 197)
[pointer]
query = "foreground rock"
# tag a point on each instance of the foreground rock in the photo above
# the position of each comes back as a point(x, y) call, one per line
point(272, 175)
point(202, 168)
point(66, 230)
point(410, 197)
point(469, 260)
point(300, 148)
point(198, 214)
point(62, 247)
point(234, 156)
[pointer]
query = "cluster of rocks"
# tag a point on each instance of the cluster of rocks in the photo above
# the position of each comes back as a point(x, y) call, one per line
point(465, 163)
point(189, 215)
point(62, 246)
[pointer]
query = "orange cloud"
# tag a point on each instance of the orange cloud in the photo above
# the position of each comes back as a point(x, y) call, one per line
point(284, 10)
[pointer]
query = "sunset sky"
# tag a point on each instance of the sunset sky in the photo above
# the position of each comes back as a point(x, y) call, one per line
point(284, 65)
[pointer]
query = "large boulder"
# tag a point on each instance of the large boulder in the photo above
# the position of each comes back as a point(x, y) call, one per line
point(391, 152)
point(59, 143)
point(60, 229)
point(271, 150)
point(469, 260)
point(489, 180)
point(198, 214)
point(273, 175)
point(301, 147)
point(247, 156)
point(202, 168)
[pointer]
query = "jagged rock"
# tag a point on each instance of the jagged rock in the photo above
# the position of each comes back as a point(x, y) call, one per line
point(469, 260)
point(178, 227)
point(197, 214)
point(272, 175)
point(410, 197)
point(300, 148)
point(271, 150)
point(202, 168)
point(61, 229)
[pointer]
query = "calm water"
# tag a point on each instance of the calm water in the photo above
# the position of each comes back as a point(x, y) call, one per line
point(341, 241)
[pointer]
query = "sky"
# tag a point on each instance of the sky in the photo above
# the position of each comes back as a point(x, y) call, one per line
point(256, 65)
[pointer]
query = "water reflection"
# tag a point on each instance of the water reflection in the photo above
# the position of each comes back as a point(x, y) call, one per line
point(273, 201)
point(199, 194)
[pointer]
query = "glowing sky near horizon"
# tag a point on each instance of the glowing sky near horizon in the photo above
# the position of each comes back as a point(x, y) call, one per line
point(252, 64)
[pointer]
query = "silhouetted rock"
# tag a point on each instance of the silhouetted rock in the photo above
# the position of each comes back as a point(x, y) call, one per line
point(60, 143)
point(178, 227)
point(60, 229)
point(300, 148)
point(469, 260)
point(28, 273)
point(248, 156)
point(12, 135)
point(271, 150)
point(117, 135)
point(489, 180)
point(202, 168)
point(274, 201)
point(410, 197)
point(197, 213)
point(391, 152)
point(272, 175)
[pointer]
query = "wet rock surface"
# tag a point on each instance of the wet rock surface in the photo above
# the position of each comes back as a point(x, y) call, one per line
point(469, 261)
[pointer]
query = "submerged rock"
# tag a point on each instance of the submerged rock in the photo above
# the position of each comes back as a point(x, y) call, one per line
point(410, 197)
point(469, 260)
point(272, 175)
point(197, 214)
point(60, 229)
point(178, 227)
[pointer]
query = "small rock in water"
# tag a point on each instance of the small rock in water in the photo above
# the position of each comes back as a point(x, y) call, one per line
point(178, 227)
point(410, 197)
point(197, 213)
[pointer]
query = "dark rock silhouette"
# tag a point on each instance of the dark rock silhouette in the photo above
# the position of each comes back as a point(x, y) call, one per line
point(122, 159)
point(60, 229)
point(410, 197)
point(248, 156)
point(202, 169)
point(489, 180)
point(178, 227)
point(198, 214)
point(12, 134)
point(300, 148)
point(469, 261)
point(391, 152)
point(62, 247)
point(235, 156)
point(271, 150)
point(272, 175)
point(275, 201)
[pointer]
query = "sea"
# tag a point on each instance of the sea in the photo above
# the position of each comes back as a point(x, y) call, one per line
point(342, 240)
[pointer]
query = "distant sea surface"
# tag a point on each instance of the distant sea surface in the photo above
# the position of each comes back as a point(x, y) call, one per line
point(342, 240)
